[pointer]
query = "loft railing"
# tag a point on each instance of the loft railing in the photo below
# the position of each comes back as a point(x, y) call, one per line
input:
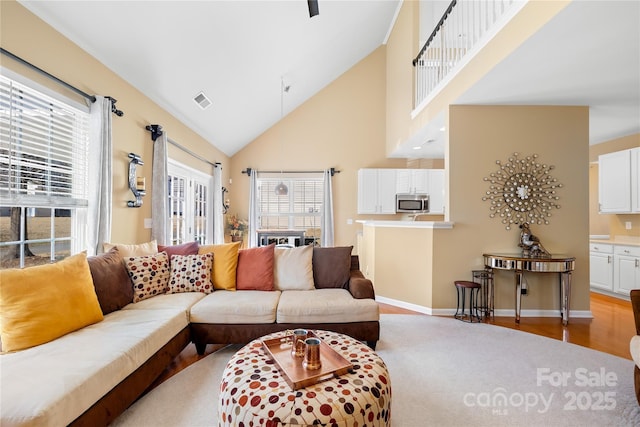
point(462, 26)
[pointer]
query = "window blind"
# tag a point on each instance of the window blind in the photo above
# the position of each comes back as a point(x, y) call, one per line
point(43, 149)
point(300, 209)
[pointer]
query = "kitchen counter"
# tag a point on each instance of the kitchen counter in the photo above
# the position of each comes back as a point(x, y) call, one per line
point(618, 241)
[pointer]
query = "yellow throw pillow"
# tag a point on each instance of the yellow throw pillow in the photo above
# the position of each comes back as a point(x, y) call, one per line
point(42, 303)
point(141, 249)
point(225, 263)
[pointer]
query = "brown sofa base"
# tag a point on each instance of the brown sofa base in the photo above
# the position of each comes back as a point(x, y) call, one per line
point(205, 333)
point(116, 401)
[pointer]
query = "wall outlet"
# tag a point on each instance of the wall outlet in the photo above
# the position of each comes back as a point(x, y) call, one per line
point(148, 223)
point(627, 225)
point(349, 221)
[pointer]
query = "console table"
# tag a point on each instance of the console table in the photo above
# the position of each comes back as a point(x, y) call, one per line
point(560, 264)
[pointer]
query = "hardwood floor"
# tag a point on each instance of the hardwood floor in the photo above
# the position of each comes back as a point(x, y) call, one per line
point(609, 331)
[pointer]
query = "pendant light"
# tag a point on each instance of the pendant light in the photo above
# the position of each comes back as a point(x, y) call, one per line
point(282, 189)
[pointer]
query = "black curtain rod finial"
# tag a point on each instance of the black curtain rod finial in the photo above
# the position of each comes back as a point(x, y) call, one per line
point(156, 131)
point(114, 110)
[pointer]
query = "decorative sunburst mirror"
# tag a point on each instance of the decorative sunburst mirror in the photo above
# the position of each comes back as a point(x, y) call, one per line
point(522, 191)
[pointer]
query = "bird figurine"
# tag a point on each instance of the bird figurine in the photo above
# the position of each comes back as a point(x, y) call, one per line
point(530, 244)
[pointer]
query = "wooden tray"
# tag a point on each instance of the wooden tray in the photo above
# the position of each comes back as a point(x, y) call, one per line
point(333, 364)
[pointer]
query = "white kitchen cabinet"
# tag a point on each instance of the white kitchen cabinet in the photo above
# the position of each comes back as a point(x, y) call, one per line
point(626, 274)
point(436, 191)
point(619, 181)
point(412, 181)
point(377, 191)
point(601, 266)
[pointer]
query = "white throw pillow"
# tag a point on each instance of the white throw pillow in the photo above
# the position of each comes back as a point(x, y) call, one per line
point(293, 269)
point(142, 249)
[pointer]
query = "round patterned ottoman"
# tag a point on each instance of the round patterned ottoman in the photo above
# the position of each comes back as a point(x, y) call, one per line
point(254, 392)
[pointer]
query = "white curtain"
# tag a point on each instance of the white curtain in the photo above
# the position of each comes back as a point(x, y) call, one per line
point(101, 176)
point(253, 209)
point(326, 236)
point(159, 191)
point(218, 225)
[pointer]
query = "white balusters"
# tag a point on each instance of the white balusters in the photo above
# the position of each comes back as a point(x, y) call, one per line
point(461, 30)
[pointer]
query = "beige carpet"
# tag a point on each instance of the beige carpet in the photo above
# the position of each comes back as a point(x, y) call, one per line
point(446, 373)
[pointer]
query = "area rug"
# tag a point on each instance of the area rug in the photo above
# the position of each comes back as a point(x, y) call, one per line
point(445, 373)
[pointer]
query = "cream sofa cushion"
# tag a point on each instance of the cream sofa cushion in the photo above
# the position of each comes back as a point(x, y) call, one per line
point(54, 383)
point(325, 306)
point(229, 307)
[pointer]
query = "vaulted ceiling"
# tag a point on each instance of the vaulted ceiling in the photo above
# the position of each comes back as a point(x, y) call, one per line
point(238, 52)
point(235, 52)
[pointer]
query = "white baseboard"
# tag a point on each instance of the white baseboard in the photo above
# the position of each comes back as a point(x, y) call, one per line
point(508, 312)
point(406, 305)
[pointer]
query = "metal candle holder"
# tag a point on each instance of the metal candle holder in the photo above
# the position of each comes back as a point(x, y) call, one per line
point(137, 192)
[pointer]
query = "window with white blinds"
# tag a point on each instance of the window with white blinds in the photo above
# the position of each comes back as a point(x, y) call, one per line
point(301, 209)
point(43, 175)
point(43, 149)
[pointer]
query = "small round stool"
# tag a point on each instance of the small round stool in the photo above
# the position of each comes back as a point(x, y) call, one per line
point(461, 288)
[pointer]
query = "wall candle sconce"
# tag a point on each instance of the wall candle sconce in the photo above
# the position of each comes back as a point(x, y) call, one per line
point(225, 202)
point(136, 184)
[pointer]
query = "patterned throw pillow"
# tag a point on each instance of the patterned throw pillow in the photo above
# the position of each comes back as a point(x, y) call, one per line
point(149, 274)
point(191, 273)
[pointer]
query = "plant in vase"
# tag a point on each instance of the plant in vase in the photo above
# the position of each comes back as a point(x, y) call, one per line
point(236, 227)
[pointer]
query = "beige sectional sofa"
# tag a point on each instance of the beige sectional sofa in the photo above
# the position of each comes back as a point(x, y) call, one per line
point(92, 374)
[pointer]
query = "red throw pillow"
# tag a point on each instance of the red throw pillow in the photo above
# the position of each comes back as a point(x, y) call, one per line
point(190, 248)
point(255, 269)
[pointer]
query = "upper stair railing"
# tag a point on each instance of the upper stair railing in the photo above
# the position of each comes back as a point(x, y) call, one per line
point(462, 26)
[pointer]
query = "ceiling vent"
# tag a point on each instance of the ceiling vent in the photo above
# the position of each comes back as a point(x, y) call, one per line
point(202, 100)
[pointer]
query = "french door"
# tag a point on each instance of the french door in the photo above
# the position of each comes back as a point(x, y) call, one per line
point(190, 205)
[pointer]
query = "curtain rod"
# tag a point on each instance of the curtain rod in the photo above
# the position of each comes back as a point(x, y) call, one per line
point(248, 171)
point(51, 76)
point(156, 131)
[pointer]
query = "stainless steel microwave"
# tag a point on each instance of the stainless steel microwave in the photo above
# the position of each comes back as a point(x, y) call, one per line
point(412, 203)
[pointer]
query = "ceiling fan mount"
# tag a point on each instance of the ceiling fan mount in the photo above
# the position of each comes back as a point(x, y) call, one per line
point(313, 8)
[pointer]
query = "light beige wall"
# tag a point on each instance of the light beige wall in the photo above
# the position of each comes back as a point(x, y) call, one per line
point(28, 37)
point(343, 126)
point(402, 264)
point(598, 224)
point(480, 135)
point(609, 224)
point(403, 46)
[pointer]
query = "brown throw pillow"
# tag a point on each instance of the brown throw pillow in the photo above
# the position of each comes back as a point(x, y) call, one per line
point(331, 266)
point(255, 269)
point(111, 281)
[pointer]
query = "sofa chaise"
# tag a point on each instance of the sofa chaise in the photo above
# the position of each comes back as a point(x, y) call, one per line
point(129, 331)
